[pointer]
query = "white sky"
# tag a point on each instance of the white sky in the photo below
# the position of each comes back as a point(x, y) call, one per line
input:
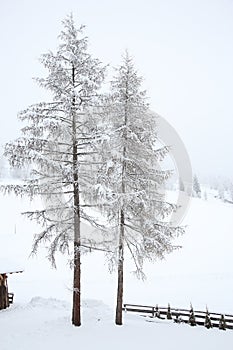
point(183, 48)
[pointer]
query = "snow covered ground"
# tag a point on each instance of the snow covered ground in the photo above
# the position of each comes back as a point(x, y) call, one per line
point(201, 273)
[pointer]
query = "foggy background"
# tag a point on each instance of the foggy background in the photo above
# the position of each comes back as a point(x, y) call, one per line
point(182, 48)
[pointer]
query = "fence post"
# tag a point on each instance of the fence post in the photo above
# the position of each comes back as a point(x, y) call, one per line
point(208, 323)
point(169, 315)
point(192, 319)
point(222, 323)
point(157, 312)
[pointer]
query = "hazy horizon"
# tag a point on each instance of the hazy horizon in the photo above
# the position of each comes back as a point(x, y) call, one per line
point(183, 49)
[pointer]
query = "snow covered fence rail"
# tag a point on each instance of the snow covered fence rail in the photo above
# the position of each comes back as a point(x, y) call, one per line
point(200, 318)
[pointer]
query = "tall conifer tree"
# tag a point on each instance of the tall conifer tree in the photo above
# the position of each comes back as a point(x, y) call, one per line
point(129, 180)
point(57, 142)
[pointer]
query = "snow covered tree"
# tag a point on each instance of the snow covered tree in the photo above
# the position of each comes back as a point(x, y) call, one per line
point(196, 187)
point(230, 189)
point(205, 196)
point(57, 141)
point(181, 185)
point(130, 178)
point(221, 192)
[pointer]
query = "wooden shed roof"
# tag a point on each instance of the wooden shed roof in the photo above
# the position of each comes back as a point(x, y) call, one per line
point(10, 271)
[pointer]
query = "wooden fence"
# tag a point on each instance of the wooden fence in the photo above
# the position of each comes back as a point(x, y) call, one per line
point(200, 318)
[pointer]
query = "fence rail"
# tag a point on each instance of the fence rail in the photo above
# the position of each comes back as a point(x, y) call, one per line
point(200, 318)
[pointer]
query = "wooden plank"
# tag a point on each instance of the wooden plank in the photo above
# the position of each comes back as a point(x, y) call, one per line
point(139, 310)
point(11, 271)
point(182, 313)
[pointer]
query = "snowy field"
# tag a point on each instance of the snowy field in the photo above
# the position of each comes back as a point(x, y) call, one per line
point(200, 273)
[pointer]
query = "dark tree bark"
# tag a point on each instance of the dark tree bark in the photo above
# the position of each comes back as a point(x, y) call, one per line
point(118, 319)
point(76, 314)
point(122, 228)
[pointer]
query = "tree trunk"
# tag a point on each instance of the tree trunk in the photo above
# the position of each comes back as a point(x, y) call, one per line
point(118, 319)
point(76, 313)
